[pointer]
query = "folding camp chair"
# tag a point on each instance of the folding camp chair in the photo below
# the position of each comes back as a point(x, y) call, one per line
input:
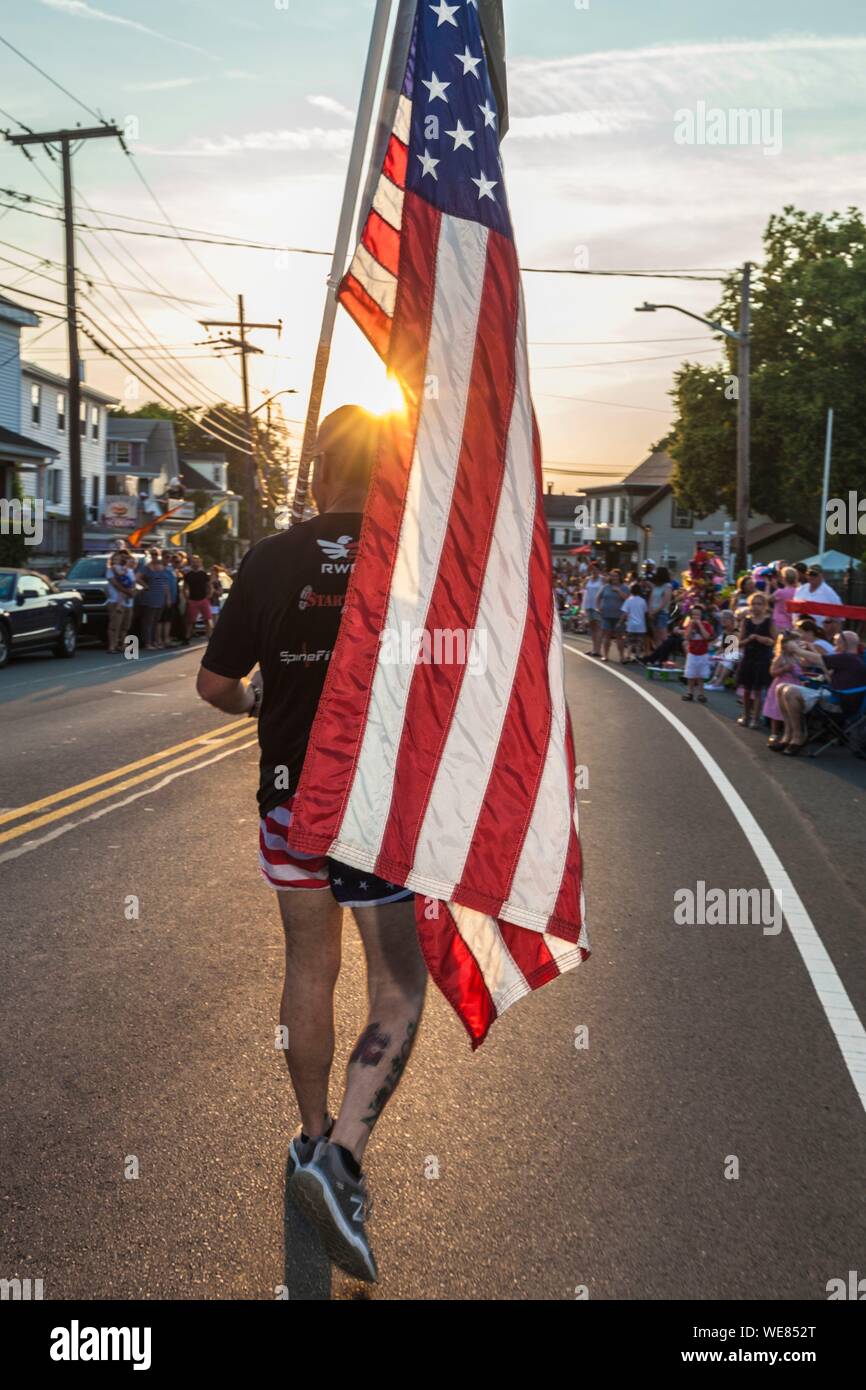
point(847, 731)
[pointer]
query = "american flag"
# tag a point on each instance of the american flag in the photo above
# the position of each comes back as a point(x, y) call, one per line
point(454, 778)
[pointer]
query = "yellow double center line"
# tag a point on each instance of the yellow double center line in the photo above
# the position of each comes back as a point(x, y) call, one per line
point(108, 784)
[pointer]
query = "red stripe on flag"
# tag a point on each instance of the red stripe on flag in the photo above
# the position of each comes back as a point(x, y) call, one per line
point(396, 162)
point(335, 740)
point(373, 322)
point(530, 954)
point(456, 594)
point(383, 242)
point(454, 969)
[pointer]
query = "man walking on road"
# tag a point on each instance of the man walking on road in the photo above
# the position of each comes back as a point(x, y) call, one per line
point(198, 591)
point(283, 612)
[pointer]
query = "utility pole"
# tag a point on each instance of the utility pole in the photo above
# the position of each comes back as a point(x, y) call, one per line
point(825, 491)
point(244, 348)
point(744, 418)
point(65, 139)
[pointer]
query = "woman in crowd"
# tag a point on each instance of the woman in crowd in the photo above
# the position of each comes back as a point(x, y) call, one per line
point(757, 637)
point(659, 604)
point(743, 592)
point(610, 604)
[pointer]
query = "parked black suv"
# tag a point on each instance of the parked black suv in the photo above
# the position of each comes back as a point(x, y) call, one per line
point(34, 613)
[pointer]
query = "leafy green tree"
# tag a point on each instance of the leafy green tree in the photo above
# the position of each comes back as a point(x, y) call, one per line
point(13, 546)
point(808, 353)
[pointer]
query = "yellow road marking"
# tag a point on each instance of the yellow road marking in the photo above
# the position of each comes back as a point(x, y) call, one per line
point(227, 733)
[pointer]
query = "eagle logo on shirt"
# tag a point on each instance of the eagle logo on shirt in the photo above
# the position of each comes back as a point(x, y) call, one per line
point(344, 550)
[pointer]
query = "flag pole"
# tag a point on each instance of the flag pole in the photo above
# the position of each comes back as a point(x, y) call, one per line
point(354, 173)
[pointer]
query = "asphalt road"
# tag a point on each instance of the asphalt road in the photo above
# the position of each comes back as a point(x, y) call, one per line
point(558, 1169)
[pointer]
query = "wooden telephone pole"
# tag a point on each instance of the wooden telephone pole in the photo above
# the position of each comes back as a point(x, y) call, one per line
point(65, 139)
point(244, 349)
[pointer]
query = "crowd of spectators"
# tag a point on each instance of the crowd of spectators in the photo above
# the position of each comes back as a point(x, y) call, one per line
point(781, 661)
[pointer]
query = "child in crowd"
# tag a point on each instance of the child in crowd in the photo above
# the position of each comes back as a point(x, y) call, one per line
point(697, 633)
point(785, 670)
point(635, 613)
point(724, 652)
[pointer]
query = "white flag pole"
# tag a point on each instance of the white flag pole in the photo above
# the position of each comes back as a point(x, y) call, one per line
point(354, 175)
point(825, 494)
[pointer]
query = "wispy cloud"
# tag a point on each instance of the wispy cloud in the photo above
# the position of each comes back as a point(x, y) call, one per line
point(299, 141)
point(336, 108)
point(172, 84)
point(80, 10)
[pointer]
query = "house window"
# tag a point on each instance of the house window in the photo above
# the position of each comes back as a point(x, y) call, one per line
point(94, 422)
point(559, 535)
point(593, 510)
point(121, 455)
point(82, 420)
point(53, 480)
point(35, 404)
point(681, 518)
point(623, 512)
point(61, 413)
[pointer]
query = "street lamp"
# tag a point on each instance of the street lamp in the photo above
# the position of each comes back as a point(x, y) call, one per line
point(744, 345)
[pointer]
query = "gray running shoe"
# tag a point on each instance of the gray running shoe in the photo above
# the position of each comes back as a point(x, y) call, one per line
point(302, 1147)
point(338, 1206)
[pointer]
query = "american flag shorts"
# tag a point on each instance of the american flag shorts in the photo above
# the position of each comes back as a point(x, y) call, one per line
point(290, 870)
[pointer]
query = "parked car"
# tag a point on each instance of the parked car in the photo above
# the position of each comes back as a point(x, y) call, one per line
point(87, 577)
point(35, 613)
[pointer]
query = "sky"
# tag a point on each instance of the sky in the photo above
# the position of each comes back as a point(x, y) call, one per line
point(240, 113)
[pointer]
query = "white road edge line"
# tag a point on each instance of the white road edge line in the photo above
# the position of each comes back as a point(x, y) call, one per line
point(116, 805)
point(832, 995)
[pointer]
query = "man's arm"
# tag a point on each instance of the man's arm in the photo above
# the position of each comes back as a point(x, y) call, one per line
point(230, 696)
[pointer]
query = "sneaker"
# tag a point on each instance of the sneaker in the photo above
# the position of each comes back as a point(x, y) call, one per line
point(302, 1147)
point(338, 1206)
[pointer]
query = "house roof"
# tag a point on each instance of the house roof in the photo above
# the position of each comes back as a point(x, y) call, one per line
point(775, 530)
point(33, 369)
point(655, 471)
point(191, 478)
point(20, 447)
point(134, 428)
point(16, 313)
point(559, 506)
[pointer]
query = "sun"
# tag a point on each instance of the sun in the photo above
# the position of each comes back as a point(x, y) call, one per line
point(384, 397)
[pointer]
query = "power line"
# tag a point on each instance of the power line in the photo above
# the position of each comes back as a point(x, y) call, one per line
point(309, 251)
point(614, 405)
point(609, 342)
point(621, 361)
point(65, 90)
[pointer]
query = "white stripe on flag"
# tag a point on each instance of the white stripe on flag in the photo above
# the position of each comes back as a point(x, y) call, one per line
point(388, 202)
point(403, 119)
point(379, 283)
point(540, 868)
point(470, 748)
point(460, 264)
point(481, 933)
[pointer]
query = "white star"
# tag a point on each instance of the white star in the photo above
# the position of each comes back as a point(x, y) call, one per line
point(338, 883)
point(436, 88)
point(461, 136)
point(428, 164)
point(488, 113)
point(363, 883)
point(470, 64)
point(445, 13)
point(486, 187)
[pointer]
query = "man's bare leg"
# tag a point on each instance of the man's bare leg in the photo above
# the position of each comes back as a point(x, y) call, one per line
point(312, 922)
point(396, 982)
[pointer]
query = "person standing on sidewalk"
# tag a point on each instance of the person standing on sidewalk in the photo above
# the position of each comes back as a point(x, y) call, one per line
point(154, 599)
point(283, 612)
point(121, 586)
point(198, 591)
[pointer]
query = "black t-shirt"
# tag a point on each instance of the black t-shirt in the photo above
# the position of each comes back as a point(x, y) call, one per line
point(196, 584)
point(283, 613)
point(847, 672)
